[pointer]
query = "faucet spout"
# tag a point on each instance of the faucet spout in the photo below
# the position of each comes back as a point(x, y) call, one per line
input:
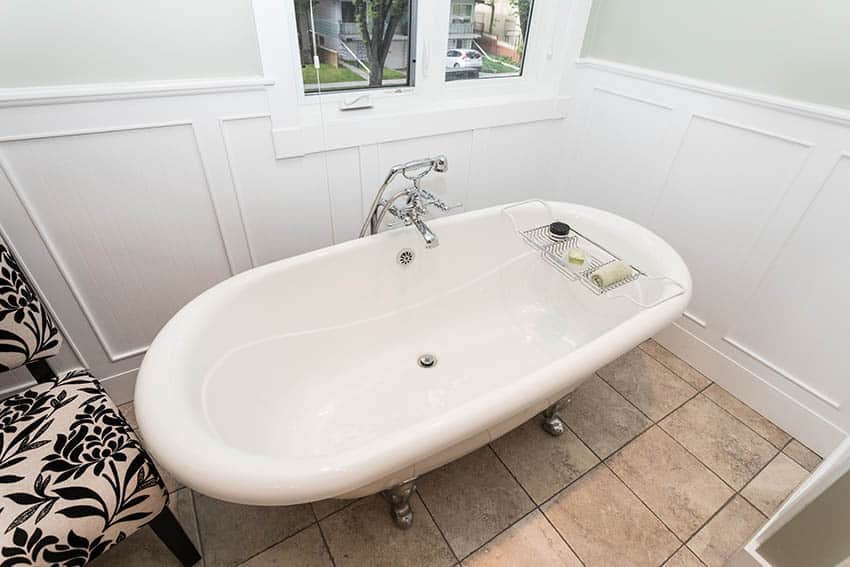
point(431, 239)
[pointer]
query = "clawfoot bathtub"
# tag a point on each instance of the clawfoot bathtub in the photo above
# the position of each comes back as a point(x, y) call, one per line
point(356, 368)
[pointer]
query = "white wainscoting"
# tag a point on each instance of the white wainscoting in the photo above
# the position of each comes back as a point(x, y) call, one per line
point(123, 207)
point(754, 192)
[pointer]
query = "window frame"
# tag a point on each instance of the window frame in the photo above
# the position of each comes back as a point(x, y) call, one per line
point(412, 36)
point(303, 124)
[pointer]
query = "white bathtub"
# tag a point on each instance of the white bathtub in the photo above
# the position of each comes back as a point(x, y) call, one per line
point(299, 381)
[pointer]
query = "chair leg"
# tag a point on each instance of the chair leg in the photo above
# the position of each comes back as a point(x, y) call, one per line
point(41, 371)
point(169, 530)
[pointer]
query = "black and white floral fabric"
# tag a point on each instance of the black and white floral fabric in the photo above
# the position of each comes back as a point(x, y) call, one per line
point(27, 332)
point(74, 478)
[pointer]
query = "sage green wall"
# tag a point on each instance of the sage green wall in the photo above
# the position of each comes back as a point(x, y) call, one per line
point(58, 42)
point(797, 49)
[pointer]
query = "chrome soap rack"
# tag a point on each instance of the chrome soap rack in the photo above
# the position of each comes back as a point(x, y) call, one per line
point(554, 252)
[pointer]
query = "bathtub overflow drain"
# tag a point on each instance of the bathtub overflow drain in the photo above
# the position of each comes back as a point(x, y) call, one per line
point(427, 360)
point(405, 256)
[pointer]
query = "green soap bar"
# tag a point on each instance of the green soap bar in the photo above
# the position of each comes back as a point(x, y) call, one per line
point(575, 256)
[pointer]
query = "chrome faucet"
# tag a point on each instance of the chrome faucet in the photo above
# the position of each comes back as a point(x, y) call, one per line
point(416, 199)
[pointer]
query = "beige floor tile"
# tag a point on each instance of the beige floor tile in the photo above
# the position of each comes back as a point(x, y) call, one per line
point(804, 456)
point(144, 548)
point(531, 541)
point(601, 417)
point(748, 415)
point(605, 524)
point(543, 464)
point(231, 533)
point(304, 549)
point(324, 508)
point(128, 410)
point(726, 445)
point(774, 484)
point(681, 491)
point(681, 368)
point(684, 558)
point(473, 499)
point(726, 532)
point(647, 383)
point(171, 482)
point(364, 534)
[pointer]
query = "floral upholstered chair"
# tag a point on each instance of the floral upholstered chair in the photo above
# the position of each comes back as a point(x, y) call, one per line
point(74, 479)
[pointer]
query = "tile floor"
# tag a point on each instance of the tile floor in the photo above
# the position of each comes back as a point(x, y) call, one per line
point(659, 466)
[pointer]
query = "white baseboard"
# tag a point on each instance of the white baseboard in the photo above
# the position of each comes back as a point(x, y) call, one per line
point(808, 427)
point(121, 386)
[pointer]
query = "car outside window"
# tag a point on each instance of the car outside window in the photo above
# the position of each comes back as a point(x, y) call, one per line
point(487, 38)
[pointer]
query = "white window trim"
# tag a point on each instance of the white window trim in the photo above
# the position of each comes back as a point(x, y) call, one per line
point(304, 124)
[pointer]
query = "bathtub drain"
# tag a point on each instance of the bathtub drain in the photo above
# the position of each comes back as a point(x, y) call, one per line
point(427, 360)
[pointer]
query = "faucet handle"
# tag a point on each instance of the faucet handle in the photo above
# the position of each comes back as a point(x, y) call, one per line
point(433, 200)
point(446, 208)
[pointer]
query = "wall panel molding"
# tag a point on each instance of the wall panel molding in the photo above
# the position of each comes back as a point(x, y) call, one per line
point(99, 92)
point(786, 154)
point(113, 355)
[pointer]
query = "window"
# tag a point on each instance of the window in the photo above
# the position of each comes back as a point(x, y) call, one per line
point(487, 38)
point(334, 31)
point(461, 13)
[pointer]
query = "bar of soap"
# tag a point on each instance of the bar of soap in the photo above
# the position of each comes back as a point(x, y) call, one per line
point(610, 274)
point(575, 256)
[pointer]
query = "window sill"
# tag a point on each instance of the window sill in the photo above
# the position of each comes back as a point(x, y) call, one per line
point(373, 126)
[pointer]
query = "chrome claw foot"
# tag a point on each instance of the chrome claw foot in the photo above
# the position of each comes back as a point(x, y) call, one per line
point(552, 423)
point(554, 426)
point(399, 499)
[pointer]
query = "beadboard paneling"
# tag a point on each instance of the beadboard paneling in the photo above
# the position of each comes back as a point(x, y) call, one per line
point(517, 162)
point(127, 217)
point(803, 290)
point(723, 186)
point(621, 156)
point(285, 204)
point(753, 193)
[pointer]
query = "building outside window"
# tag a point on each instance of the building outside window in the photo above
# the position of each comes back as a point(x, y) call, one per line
point(367, 43)
point(487, 38)
point(348, 55)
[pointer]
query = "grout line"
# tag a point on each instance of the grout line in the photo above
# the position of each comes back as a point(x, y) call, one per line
point(749, 482)
point(708, 521)
point(709, 385)
point(322, 533)
point(746, 424)
point(278, 542)
point(349, 502)
point(631, 403)
point(437, 525)
point(695, 456)
point(736, 493)
point(500, 532)
point(665, 365)
point(695, 395)
point(536, 505)
point(645, 505)
point(681, 547)
point(658, 424)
